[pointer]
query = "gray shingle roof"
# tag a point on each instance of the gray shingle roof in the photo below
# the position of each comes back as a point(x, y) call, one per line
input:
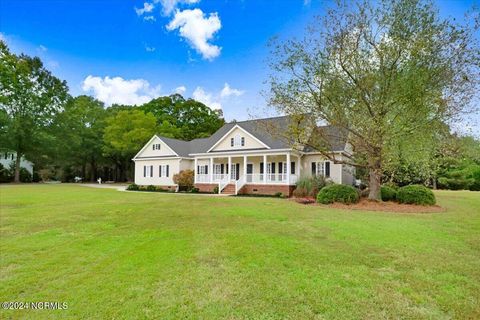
point(266, 130)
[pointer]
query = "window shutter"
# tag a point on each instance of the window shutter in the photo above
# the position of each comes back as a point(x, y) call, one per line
point(280, 167)
point(273, 167)
point(261, 167)
point(198, 169)
point(314, 168)
point(206, 169)
point(243, 141)
point(153, 147)
point(327, 168)
point(231, 142)
point(144, 171)
point(160, 171)
point(292, 167)
point(168, 169)
point(222, 167)
point(151, 171)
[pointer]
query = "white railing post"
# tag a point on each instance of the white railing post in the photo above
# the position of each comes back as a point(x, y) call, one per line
point(245, 167)
point(288, 169)
point(229, 168)
point(211, 169)
point(264, 168)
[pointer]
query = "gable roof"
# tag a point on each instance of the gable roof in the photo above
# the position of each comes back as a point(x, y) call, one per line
point(262, 129)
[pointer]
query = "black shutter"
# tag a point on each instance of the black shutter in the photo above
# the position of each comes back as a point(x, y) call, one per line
point(243, 141)
point(153, 146)
point(327, 168)
point(314, 168)
point(206, 169)
point(168, 169)
point(151, 171)
point(280, 167)
point(231, 142)
point(198, 169)
point(222, 168)
point(273, 167)
point(144, 171)
point(261, 167)
point(238, 171)
point(292, 167)
point(160, 171)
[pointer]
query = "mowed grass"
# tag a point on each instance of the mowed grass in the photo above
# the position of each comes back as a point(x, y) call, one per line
point(124, 255)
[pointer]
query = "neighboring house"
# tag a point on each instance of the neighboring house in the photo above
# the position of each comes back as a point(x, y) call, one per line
point(8, 158)
point(241, 157)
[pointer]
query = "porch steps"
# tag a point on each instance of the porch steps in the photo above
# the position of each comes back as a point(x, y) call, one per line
point(229, 189)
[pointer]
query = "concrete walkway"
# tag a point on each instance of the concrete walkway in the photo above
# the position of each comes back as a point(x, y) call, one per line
point(119, 187)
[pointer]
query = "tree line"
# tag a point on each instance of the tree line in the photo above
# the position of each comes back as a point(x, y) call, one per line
point(67, 137)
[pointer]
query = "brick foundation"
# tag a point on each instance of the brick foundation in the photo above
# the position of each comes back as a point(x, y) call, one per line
point(267, 189)
point(206, 187)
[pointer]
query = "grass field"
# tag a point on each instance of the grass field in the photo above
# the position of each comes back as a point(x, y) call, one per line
point(112, 254)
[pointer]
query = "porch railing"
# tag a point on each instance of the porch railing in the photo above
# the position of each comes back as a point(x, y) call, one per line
point(249, 178)
point(223, 183)
point(240, 183)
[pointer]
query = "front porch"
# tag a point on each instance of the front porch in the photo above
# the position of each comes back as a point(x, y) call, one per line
point(257, 170)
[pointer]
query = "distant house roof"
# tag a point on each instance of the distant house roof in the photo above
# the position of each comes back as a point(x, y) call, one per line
point(266, 130)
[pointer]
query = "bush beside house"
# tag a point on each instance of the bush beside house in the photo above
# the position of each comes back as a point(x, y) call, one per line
point(416, 194)
point(338, 193)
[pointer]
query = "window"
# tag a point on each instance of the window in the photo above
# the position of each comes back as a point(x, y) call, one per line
point(202, 169)
point(148, 171)
point(163, 171)
point(156, 146)
point(237, 141)
point(292, 167)
point(321, 168)
point(217, 168)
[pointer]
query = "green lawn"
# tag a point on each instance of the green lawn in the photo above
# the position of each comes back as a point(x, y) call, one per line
point(112, 254)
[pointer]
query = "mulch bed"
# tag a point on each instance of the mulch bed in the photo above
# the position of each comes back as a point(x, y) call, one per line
point(369, 205)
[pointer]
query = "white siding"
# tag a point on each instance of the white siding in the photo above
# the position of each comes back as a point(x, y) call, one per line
point(174, 167)
point(149, 152)
point(225, 143)
point(335, 169)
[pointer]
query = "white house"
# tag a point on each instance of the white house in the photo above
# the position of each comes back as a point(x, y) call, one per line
point(241, 157)
point(8, 158)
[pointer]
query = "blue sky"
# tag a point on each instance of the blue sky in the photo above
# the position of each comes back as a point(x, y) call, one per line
point(126, 51)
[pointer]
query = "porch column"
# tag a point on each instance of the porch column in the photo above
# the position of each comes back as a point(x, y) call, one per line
point(245, 168)
point(288, 168)
point(195, 170)
point(211, 170)
point(299, 165)
point(264, 168)
point(229, 168)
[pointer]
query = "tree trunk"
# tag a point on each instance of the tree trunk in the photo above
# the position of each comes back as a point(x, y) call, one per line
point(17, 167)
point(375, 174)
point(93, 170)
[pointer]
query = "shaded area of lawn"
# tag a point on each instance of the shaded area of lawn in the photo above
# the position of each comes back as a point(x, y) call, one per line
point(120, 255)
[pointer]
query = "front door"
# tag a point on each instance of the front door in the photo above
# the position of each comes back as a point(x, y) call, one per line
point(235, 172)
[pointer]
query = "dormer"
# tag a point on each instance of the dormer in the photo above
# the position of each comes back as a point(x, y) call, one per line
point(238, 139)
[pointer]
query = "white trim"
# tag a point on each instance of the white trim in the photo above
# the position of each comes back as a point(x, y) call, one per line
point(224, 154)
point(230, 131)
point(154, 136)
point(162, 158)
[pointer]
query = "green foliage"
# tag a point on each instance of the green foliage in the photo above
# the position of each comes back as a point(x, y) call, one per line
point(184, 179)
point(183, 119)
point(194, 190)
point(338, 193)
point(215, 190)
point(29, 97)
point(416, 194)
point(133, 187)
point(388, 193)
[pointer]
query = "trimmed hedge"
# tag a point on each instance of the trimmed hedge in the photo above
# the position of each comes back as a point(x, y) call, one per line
point(133, 187)
point(338, 193)
point(416, 194)
point(388, 193)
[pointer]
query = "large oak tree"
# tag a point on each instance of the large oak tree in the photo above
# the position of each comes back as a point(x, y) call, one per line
point(386, 73)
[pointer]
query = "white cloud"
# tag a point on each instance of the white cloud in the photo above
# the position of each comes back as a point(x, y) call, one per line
point(147, 7)
point(149, 18)
point(119, 90)
point(215, 101)
point(42, 48)
point(227, 91)
point(198, 30)
point(180, 90)
point(149, 49)
point(170, 5)
point(206, 98)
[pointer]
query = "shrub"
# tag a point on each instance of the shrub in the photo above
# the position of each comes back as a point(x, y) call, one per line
point(338, 193)
point(133, 187)
point(184, 179)
point(454, 183)
point(388, 193)
point(194, 190)
point(278, 195)
point(151, 188)
point(309, 186)
point(215, 190)
point(300, 192)
point(416, 194)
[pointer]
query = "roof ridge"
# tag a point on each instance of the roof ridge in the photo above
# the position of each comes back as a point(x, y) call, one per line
point(269, 118)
